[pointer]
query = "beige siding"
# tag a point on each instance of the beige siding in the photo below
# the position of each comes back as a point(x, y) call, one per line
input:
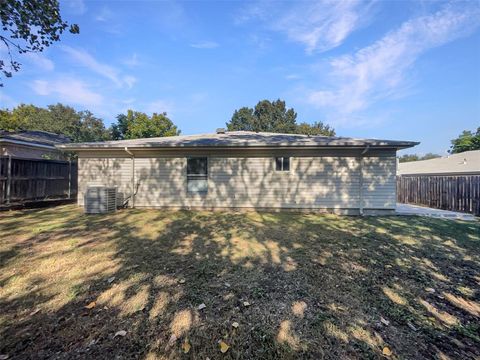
point(104, 171)
point(322, 182)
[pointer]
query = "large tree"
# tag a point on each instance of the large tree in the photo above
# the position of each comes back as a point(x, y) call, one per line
point(136, 124)
point(268, 116)
point(79, 126)
point(466, 141)
point(28, 26)
point(317, 128)
point(273, 116)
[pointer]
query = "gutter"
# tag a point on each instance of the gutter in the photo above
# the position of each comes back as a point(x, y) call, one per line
point(133, 175)
point(26, 143)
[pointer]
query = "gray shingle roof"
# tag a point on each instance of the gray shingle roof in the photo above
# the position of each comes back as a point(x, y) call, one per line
point(467, 162)
point(240, 139)
point(34, 137)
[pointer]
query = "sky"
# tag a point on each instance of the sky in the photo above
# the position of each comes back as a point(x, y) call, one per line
point(373, 69)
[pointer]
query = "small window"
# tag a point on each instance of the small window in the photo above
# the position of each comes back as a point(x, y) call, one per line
point(282, 164)
point(197, 175)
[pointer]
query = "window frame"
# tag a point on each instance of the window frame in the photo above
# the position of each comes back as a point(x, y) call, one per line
point(195, 177)
point(280, 160)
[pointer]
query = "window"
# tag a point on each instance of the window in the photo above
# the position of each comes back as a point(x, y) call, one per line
point(197, 175)
point(282, 164)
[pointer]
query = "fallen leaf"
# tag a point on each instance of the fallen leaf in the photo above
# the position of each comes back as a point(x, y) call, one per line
point(3, 357)
point(384, 321)
point(33, 313)
point(91, 305)
point(411, 326)
point(182, 281)
point(386, 351)
point(223, 347)
point(121, 333)
point(110, 280)
point(430, 290)
point(201, 306)
point(186, 346)
point(235, 324)
point(172, 340)
point(246, 303)
point(227, 284)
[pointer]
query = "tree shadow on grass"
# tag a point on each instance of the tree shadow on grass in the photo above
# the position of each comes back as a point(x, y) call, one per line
point(298, 285)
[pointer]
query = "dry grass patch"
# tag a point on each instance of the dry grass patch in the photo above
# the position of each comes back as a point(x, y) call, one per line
point(294, 285)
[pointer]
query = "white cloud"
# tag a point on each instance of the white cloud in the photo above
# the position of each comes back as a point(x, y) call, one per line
point(319, 26)
point(82, 57)
point(132, 61)
point(380, 70)
point(69, 90)
point(205, 45)
point(40, 61)
point(160, 106)
point(104, 15)
point(76, 6)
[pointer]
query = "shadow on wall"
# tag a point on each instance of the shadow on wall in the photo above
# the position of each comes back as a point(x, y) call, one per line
point(298, 285)
point(323, 182)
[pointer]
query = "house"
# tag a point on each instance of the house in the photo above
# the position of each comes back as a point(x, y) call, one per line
point(241, 169)
point(465, 163)
point(32, 144)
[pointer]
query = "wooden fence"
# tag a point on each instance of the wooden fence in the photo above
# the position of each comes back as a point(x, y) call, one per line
point(455, 193)
point(27, 180)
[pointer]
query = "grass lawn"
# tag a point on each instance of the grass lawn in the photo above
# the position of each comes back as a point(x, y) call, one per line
point(274, 285)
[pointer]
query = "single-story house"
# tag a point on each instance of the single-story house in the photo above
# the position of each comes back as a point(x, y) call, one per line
point(465, 163)
point(32, 144)
point(241, 169)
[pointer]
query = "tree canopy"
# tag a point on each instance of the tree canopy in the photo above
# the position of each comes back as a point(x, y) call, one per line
point(466, 141)
point(415, 157)
point(29, 26)
point(79, 126)
point(136, 124)
point(273, 116)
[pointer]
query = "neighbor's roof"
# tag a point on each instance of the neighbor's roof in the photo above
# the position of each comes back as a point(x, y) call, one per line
point(240, 139)
point(467, 162)
point(33, 138)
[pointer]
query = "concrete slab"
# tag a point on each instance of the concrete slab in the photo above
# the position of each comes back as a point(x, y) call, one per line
point(408, 209)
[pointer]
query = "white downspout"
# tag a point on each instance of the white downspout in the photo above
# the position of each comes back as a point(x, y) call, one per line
point(133, 175)
point(361, 179)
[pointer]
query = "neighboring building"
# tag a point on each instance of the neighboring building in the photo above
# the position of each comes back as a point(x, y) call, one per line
point(465, 163)
point(32, 144)
point(242, 169)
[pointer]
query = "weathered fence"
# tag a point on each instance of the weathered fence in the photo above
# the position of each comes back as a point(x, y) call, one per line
point(23, 180)
point(455, 193)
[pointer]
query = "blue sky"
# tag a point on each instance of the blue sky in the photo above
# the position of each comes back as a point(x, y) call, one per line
point(380, 69)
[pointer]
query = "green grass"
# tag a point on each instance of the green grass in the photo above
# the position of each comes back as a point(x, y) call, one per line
point(317, 286)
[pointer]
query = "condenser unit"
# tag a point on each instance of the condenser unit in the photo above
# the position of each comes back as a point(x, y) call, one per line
point(100, 199)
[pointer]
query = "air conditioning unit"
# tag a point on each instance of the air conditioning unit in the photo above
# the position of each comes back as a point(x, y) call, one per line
point(100, 199)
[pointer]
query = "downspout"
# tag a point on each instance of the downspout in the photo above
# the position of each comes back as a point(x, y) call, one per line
point(361, 179)
point(133, 175)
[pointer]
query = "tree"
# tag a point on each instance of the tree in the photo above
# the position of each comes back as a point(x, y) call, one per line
point(317, 128)
point(267, 116)
point(29, 26)
point(79, 126)
point(136, 124)
point(274, 117)
point(415, 157)
point(466, 141)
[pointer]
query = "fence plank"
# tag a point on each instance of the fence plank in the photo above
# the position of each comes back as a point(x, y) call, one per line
point(456, 193)
point(36, 179)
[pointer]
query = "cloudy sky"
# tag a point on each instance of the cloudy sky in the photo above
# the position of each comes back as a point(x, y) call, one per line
point(380, 69)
